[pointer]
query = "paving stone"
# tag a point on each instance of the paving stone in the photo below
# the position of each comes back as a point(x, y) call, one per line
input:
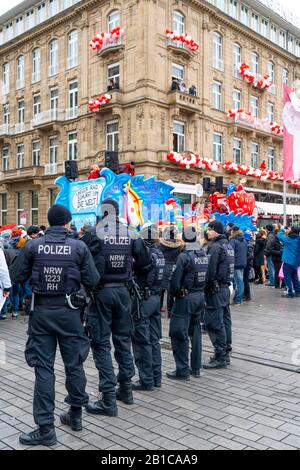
point(196, 443)
point(271, 444)
point(265, 420)
point(250, 435)
point(291, 429)
point(227, 443)
point(239, 422)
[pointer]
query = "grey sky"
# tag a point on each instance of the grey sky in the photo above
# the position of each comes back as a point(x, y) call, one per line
point(6, 5)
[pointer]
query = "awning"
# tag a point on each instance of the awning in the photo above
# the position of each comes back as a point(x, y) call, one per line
point(270, 208)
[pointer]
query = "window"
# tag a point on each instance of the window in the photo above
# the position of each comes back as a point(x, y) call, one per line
point(113, 76)
point(72, 146)
point(264, 27)
point(297, 49)
point(5, 159)
point(217, 51)
point(21, 111)
point(36, 65)
point(237, 59)
point(34, 207)
point(20, 207)
point(290, 44)
point(244, 15)
point(36, 105)
point(73, 100)
point(53, 145)
point(178, 136)
point(237, 151)
point(254, 63)
point(9, 31)
point(6, 114)
point(271, 114)
point(254, 22)
point(236, 99)
point(36, 153)
point(30, 20)
point(233, 8)
point(19, 25)
point(114, 20)
point(217, 147)
point(53, 57)
point(72, 49)
point(177, 72)
point(20, 157)
point(273, 33)
point(54, 103)
point(178, 23)
point(285, 76)
point(255, 155)
point(3, 209)
point(221, 4)
point(41, 12)
point(271, 71)
point(254, 105)
point(53, 7)
point(5, 78)
point(20, 72)
point(217, 95)
point(282, 39)
point(271, 158)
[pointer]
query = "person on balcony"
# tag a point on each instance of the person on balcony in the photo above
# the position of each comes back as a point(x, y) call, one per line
point(175, 85)
point(183, 88)
point(113, 85)
point(193, 90)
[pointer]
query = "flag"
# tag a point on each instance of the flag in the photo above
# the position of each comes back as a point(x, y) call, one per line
point(291, 135)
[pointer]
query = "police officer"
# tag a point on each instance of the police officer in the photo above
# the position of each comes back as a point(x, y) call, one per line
point(187, 285)
point(217, 318)
point(148, 330)
point(115, 248)
point(59, 266)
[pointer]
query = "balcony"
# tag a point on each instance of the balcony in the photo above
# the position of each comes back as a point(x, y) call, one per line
point(113, 105)
point(19, 128)
point(47, 119)
point(71, 113)
point(184, 101)
point(112, 45)
point(23, 174)
point(50, 169)
point(20, 83)
point(5, 130)
point(181, 47)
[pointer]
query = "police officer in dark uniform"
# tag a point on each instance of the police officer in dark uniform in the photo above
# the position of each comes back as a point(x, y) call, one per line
point(115, 248)
point(148, 330)
point(59, 266)
point(217, 318)
point(187, 285)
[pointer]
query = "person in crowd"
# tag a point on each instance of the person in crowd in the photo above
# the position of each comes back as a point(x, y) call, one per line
point(259, 258)
point(56, 319)
point(291, 259)
point(217, 316)
point(249, 266)
point(171, 246)
point(268, 254)
point(5, 282)
point(276, 249)
point(239, 245)
point(33, 231)
point(187, 285)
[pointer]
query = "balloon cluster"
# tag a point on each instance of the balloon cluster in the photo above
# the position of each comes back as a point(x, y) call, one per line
point(105, 38)
point(193, 160)
point(184, 38)
point(250, 119)
point(258, 173)
point(263, 83)
point(99, 102)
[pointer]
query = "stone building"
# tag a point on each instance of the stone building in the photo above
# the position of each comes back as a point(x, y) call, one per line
point(49, 74)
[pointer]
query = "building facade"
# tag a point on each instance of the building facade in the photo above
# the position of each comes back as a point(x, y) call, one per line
point(49, 74)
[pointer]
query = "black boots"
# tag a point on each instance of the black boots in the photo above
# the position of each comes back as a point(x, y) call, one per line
point(43, 436)
point(106, 405)
point(139, 387)
point(215, 363)
point(124, 393)
point(72, 418)
point(172, 374)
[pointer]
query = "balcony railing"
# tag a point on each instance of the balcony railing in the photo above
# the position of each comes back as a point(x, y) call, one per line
point(72, 113)
point(52, 115)
point(20, 127)
point(180, 45)
point(113, 43)
point(5, 129)
point(50, 169)
point(20, 83)
point(53, 70)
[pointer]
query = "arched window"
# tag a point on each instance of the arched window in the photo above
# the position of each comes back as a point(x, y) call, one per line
point(178, 22)
point(72, 49)
point(114, 20)
point(237, 58)
point(285, 76)
point(271, 70)
point(218, 51)
point(254, 63)
point(20, 72)
point(5, 78)
point(53, 57)
point(36, 65)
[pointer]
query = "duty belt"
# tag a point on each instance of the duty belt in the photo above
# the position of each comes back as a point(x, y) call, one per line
point(51, 301)
point(112, 284)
